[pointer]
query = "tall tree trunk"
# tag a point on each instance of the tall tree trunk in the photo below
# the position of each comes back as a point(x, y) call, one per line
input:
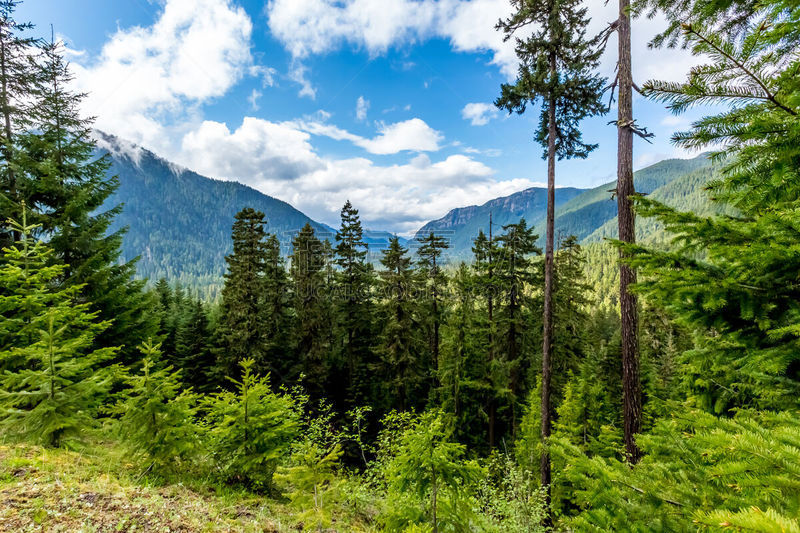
point(490, 299)
point(547, 333)
point(631, 388)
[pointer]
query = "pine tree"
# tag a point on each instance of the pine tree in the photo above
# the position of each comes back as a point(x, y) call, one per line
point(157, 416)
point(18, 79)
point(354, 303)
point(629, 319)
point(66, 186)
point(486, 253)
point(515, 275)
point(429, 467)
point(434, 284)
point(251, 428)
point(193, 349)
point(311, 292)
point(280, 359)
point(243, 309)
point(464, 372)
point(556, 66)
point(401, 347)
point(52, 397)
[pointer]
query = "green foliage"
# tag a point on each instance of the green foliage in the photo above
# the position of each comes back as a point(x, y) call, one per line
point(157, 416)
point(403, 361)
point(557, 64)
point(250, 428)
point(312, 475)
point(243, 308)
point(313, 313)
point(52, 387)
point(428, 479)
point(698, 470)
point(354, 304)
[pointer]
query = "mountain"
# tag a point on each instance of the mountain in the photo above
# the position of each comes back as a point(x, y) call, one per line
point(179, 222)
point(589, 214)
point(461, 225)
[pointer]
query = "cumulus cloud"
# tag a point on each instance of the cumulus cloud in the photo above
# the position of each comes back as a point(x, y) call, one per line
point(278, 159)
point(316, 27)
point(362, 106)
point(479, 114)
point(411, 135)
point(194, 52)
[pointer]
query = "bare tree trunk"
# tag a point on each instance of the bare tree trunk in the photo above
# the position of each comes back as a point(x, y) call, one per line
point(631, 388)
point(547, 333)
point(490, 298)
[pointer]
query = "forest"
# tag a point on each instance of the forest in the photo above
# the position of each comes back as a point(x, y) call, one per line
point(510, 392)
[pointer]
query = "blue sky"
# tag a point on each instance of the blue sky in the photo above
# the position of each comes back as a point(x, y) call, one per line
point(314, 102)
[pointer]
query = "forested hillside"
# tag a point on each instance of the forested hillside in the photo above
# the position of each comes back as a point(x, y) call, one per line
point(179, 222)
point(582, 213)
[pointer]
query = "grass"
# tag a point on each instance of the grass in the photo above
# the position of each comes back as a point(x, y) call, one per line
point(99, 490)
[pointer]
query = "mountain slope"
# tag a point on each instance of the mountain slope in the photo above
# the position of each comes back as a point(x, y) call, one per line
point(579, 212)
point(179, 222)
point(461, 225)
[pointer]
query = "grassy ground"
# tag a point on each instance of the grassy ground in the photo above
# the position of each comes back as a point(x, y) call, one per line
point(97, 491)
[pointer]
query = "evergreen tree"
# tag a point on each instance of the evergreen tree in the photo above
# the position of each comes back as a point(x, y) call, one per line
point(312, 310)
point(281, 364)
point(556, 67)
point(515, 275)
point(243, 309)
point(193, 349)
point(401, 368)
point(54, 394)
point(426, 475)
point(251, 428)
point(66, 187)
point(434, 285)
point(464, 372)
point(738, 297)
point(157, 414)
point(18, 79)
point(354, 303)
point(486, 253)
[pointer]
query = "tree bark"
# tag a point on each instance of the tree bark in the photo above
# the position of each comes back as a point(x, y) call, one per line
point(547, 333)
point(631, 388)
point(490, 301)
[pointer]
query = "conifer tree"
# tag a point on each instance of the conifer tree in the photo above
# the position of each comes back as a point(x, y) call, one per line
point(157, 414)
point(66, 188)
point(53, 396)
point(556, 66)
point(486, 253)
point(243, 309)
point(401, 368)
point(18, 79)
point(434, 284)
point(193, 349)
point(515, 275)
point(464, 372)
point(280, 359)
point(354, 302)
point(251, 428)
point(739, 296)
point(312, 310)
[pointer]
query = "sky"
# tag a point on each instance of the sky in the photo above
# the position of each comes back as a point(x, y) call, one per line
point(386, 103)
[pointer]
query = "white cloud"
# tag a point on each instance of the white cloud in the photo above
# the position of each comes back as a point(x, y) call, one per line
point(362, 106)
point(411, 135)
point(479, 114)
point(194, 52)
point(255, 94)
point(316, 27)
point(278, 159)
